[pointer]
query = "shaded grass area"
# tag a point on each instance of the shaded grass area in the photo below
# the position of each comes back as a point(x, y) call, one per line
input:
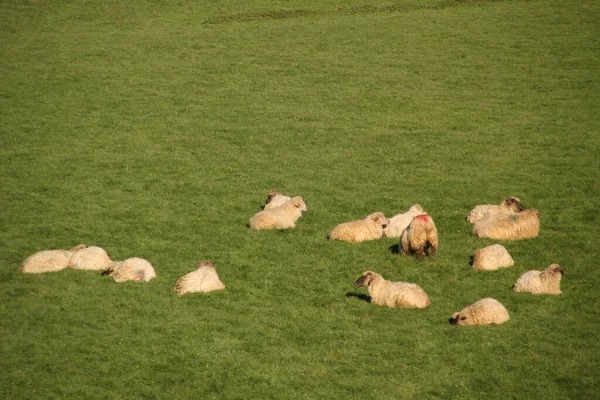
point(152, 134)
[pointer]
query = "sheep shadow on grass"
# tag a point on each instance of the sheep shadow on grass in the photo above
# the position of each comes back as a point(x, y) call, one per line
point(360, 296)
point(395, 249)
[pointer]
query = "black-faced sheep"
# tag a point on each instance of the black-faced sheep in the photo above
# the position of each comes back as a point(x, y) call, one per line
point(508, 206)
point(491, 258)
point(132, 269)
point(398, 223)
point(275, 199)
point(392, 294)
point(370, 228)
point(420, 235)
point(281, 217)
point(203, 279)
point(546, 281)
point(483, 312)
point(522, 225)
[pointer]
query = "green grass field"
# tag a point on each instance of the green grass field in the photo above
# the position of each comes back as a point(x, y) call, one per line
point(156, 129)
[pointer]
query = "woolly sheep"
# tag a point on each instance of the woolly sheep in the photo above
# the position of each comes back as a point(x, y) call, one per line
point(392, 294)
point(523, 225)
point(546, 281)
point(398, 223)
point(483, 312)
point(276, 199)
point(491, 258)
point(132, 269)
point(370, 228)
point(48, 260)
point(508, 206)
point(203, 279)
point(90, 258)
point(420, 235)
point(281, 217)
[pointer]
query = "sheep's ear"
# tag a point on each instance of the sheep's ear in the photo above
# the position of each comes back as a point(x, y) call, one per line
point(297, 204)
point(375, 218)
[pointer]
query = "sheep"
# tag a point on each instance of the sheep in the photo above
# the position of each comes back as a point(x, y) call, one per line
point(523, 225)
point(420, 235)
point(483, 312)
point(370, 228)
point(509, 205)
point(398, 223)
point(392, 294)
point(132, 269)
point(203, 279)
point(546, 281)
point(49, 260)
point(275, 199)
point(281, 217)
point(491, 258)
point(90, 258)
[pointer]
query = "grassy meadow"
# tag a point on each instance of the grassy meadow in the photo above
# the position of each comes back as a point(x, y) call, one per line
point(156, 129)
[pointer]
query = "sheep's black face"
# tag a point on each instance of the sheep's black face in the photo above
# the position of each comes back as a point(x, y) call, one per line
point(364, 280)
point(453, 321)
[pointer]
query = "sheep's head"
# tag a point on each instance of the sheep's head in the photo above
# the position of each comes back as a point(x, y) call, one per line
point(513, 204)
point(272, 194)
point(458, 319)
point(416, 208)
point(205, 264)
point(555, 269)
point(78, 247)
point(365, 279)
point(299, 203)
point(380, 219)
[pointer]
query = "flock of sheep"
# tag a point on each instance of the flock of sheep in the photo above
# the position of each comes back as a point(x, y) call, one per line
point(417, 235)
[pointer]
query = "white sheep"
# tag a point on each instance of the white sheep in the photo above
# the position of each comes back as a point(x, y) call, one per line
point(510, 205)
point(398, 223)
point(483, 312)
point(276, 199)
point(546, 281)
point(522, 225)
point(392, 294)
point(420, 235)
point(281, 217)
point(48, 260)
point(132, 269)
point(370, 228)
point(203, 279)
point(491, 258)
point(90, 258)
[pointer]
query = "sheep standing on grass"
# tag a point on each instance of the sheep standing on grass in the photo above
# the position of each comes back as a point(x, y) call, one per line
point(420, 235)
point(546, 281)
point(280, 217)
point(49, 260)
point(392, 294)
point(203, 279)
point(510, 205)
point(370, 228)
point(491, 258)
point(276, 199)
point(523, 225)
point(90, 258)
point(398, 223)
point(483, 312)
point(132, 269)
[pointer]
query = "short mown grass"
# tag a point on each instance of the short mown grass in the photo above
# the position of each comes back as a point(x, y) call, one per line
point(156, 129)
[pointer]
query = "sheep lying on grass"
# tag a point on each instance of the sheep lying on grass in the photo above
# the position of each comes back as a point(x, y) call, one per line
point(392, 294)
point(491, 258)
point(132, 269)
point(49, 260)
point(398, 223)
point(90, 258)
point(281, 217)
point(483, 312)
point(546, 281)
point(523, 225)
point(510, 205)
point(275, 199)
point(203, 279)
point(370, 228)
point(419, 236)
